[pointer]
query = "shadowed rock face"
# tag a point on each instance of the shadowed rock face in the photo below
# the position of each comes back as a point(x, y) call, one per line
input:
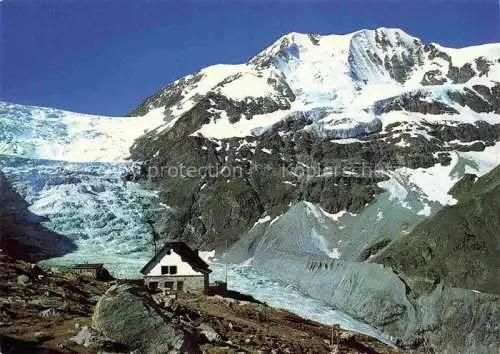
point(433, 77)
point(452, 260)
point(480, 66)
point(415, 103)
point(167, 96)
point(458, 246)
point(21, 233)
point(480, 99)
point(461, 75)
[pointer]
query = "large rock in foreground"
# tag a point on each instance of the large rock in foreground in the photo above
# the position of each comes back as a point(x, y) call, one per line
point(128, 315)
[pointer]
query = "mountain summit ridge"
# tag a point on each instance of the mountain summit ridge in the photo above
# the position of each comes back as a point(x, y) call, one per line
point(329, 77)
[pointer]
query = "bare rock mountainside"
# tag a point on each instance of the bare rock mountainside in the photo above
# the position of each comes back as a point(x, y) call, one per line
point(358, 168)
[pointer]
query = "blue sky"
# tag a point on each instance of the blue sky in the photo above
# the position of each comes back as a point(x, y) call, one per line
point(105, 56)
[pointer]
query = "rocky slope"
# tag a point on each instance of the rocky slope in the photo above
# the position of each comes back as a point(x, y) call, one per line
point(452, 260)
point(466, 235)
point(50, 311)
point(435, 288)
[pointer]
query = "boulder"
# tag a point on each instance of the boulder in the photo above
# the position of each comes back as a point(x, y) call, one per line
point(90, 338)
point(87, 337)
point(43, 336)
point(209, 333)
point(23, 280)
point(128, 315)
point(47, 313)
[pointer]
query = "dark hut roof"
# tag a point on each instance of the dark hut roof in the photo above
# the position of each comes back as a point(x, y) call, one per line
point(186, 253)
point(88, 266)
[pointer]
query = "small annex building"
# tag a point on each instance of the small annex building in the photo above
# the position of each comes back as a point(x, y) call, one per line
point(176, 267)
point(92, 270)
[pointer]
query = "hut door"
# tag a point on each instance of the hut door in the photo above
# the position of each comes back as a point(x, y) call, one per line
point(180, 286)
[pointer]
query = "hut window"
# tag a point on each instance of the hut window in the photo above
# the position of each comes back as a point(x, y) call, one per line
point(164, 270)
point(169, 285)
point(173, 269)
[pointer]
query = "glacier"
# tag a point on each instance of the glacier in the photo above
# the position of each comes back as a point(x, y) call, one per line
point(90, 203)
point(54, 134)
point(249, 280)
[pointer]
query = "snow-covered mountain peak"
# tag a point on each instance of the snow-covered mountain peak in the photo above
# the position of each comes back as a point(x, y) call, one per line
point(296, 43)
point(332, 71)
point(340, 86)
